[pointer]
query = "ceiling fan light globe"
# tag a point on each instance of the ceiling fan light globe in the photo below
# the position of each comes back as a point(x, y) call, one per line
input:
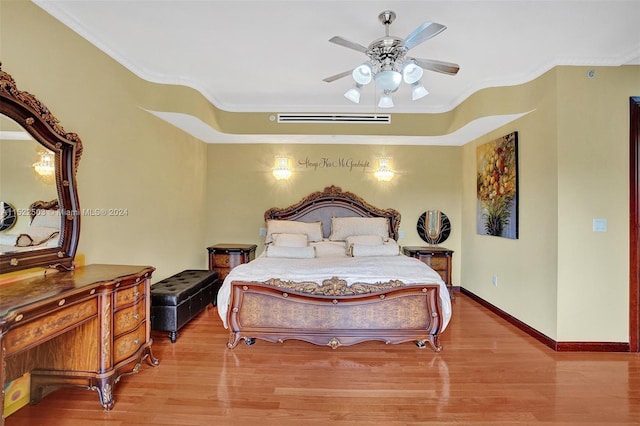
point(385, 101)
point(411, 72)
point(363, 74)
point(353, 94)
point(418, 91)
point(388, 80)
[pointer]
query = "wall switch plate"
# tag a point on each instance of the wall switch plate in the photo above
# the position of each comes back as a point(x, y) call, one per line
point(400, 234)
point(494, 281)
point(599, 225)
point(263, 231)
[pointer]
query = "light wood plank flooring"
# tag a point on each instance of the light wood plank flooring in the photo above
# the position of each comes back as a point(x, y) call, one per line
point(489, 372)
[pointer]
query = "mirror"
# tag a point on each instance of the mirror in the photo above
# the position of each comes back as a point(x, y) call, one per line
point(38, 163)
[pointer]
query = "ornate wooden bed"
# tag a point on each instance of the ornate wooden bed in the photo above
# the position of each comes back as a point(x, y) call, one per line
point(333, 313)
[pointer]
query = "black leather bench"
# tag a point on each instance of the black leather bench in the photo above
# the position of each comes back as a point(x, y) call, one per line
point(178, 299)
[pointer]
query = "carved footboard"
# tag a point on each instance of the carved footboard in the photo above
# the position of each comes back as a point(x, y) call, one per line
point(395, 314)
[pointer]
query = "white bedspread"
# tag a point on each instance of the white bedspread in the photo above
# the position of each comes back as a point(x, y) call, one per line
point(351, 269)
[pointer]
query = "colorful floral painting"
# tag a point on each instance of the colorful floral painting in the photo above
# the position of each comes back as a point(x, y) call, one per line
point(497, 186)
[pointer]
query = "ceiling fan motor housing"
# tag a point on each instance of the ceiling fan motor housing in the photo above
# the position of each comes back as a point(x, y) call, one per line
point(387, 52)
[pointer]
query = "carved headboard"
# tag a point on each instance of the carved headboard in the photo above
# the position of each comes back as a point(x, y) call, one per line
point(331, 202)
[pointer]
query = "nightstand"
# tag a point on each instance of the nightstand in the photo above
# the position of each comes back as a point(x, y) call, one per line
point(224, 257)
point(438, 258)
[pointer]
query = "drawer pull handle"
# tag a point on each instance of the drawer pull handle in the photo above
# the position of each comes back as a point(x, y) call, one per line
point(136, 342)
point(136, 316)
point(61, 302)
point(136, 294)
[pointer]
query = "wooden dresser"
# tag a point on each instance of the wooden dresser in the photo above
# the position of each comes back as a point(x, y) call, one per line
point(224, 257)
point(86, 328)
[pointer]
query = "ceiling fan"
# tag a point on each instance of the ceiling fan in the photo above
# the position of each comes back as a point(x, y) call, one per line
point(388, 63)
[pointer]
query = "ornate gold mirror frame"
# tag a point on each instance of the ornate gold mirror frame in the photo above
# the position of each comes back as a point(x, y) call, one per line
point(36, 119)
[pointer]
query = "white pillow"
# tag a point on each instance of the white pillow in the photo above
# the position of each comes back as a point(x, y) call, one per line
point(356, 250)
point(343, 227)
point(47, 219)
point(365, 240)
point(290, 240)
point(313, 230)
point(291, 252)
point(330, 249)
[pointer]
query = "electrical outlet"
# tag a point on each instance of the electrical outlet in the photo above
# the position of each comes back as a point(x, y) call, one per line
point(494, 280)
point(263, 231)
point(401, 234)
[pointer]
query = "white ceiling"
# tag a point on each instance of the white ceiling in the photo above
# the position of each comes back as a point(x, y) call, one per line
point(271, 56)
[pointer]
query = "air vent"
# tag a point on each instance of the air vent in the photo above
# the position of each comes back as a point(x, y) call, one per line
point(335, 118)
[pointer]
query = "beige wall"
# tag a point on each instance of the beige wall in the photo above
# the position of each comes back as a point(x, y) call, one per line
point(240, 186)
point(182, 195)
point(593, 182)
point(560, 277)
point(527, 267)
point(131, 160)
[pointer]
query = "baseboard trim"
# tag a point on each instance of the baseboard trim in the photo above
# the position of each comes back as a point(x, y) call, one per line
point(546, 340)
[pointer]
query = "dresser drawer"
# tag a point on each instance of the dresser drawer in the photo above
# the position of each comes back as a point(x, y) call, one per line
point(221, 260)
point(129, 295)
point(129, 318)
point(437, 263)
point(44, 328)
point(224, 257)
point(126, 345)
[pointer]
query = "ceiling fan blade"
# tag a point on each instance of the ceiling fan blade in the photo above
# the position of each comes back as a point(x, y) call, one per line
point(346, 43)
point(337, 76)
point(423, 33)
point(438, 66)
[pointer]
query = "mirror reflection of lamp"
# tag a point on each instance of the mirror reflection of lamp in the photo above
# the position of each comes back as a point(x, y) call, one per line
point(433, 226)
point(45, 168)
point(282, 169)
point(384, 172)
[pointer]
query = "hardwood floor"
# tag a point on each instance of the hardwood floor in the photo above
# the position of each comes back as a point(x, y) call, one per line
point(488, 372)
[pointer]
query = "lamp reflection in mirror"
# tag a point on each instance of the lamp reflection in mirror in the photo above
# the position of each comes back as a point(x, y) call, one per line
point(433, 226)
point(45, 168)
point(384, 172)
point(282, 169)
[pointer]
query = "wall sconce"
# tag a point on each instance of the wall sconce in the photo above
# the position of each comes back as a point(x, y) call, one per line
point(282, 168)
point(384, 172)
point(45, 168)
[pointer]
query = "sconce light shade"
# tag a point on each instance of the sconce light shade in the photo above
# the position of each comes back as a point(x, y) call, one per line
point(385, 100)
point(282, 169)
point(45, 168)
point(411, 72)
point(353, 94)
point(384, 172)
point(362, 74)
point(418, 91)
